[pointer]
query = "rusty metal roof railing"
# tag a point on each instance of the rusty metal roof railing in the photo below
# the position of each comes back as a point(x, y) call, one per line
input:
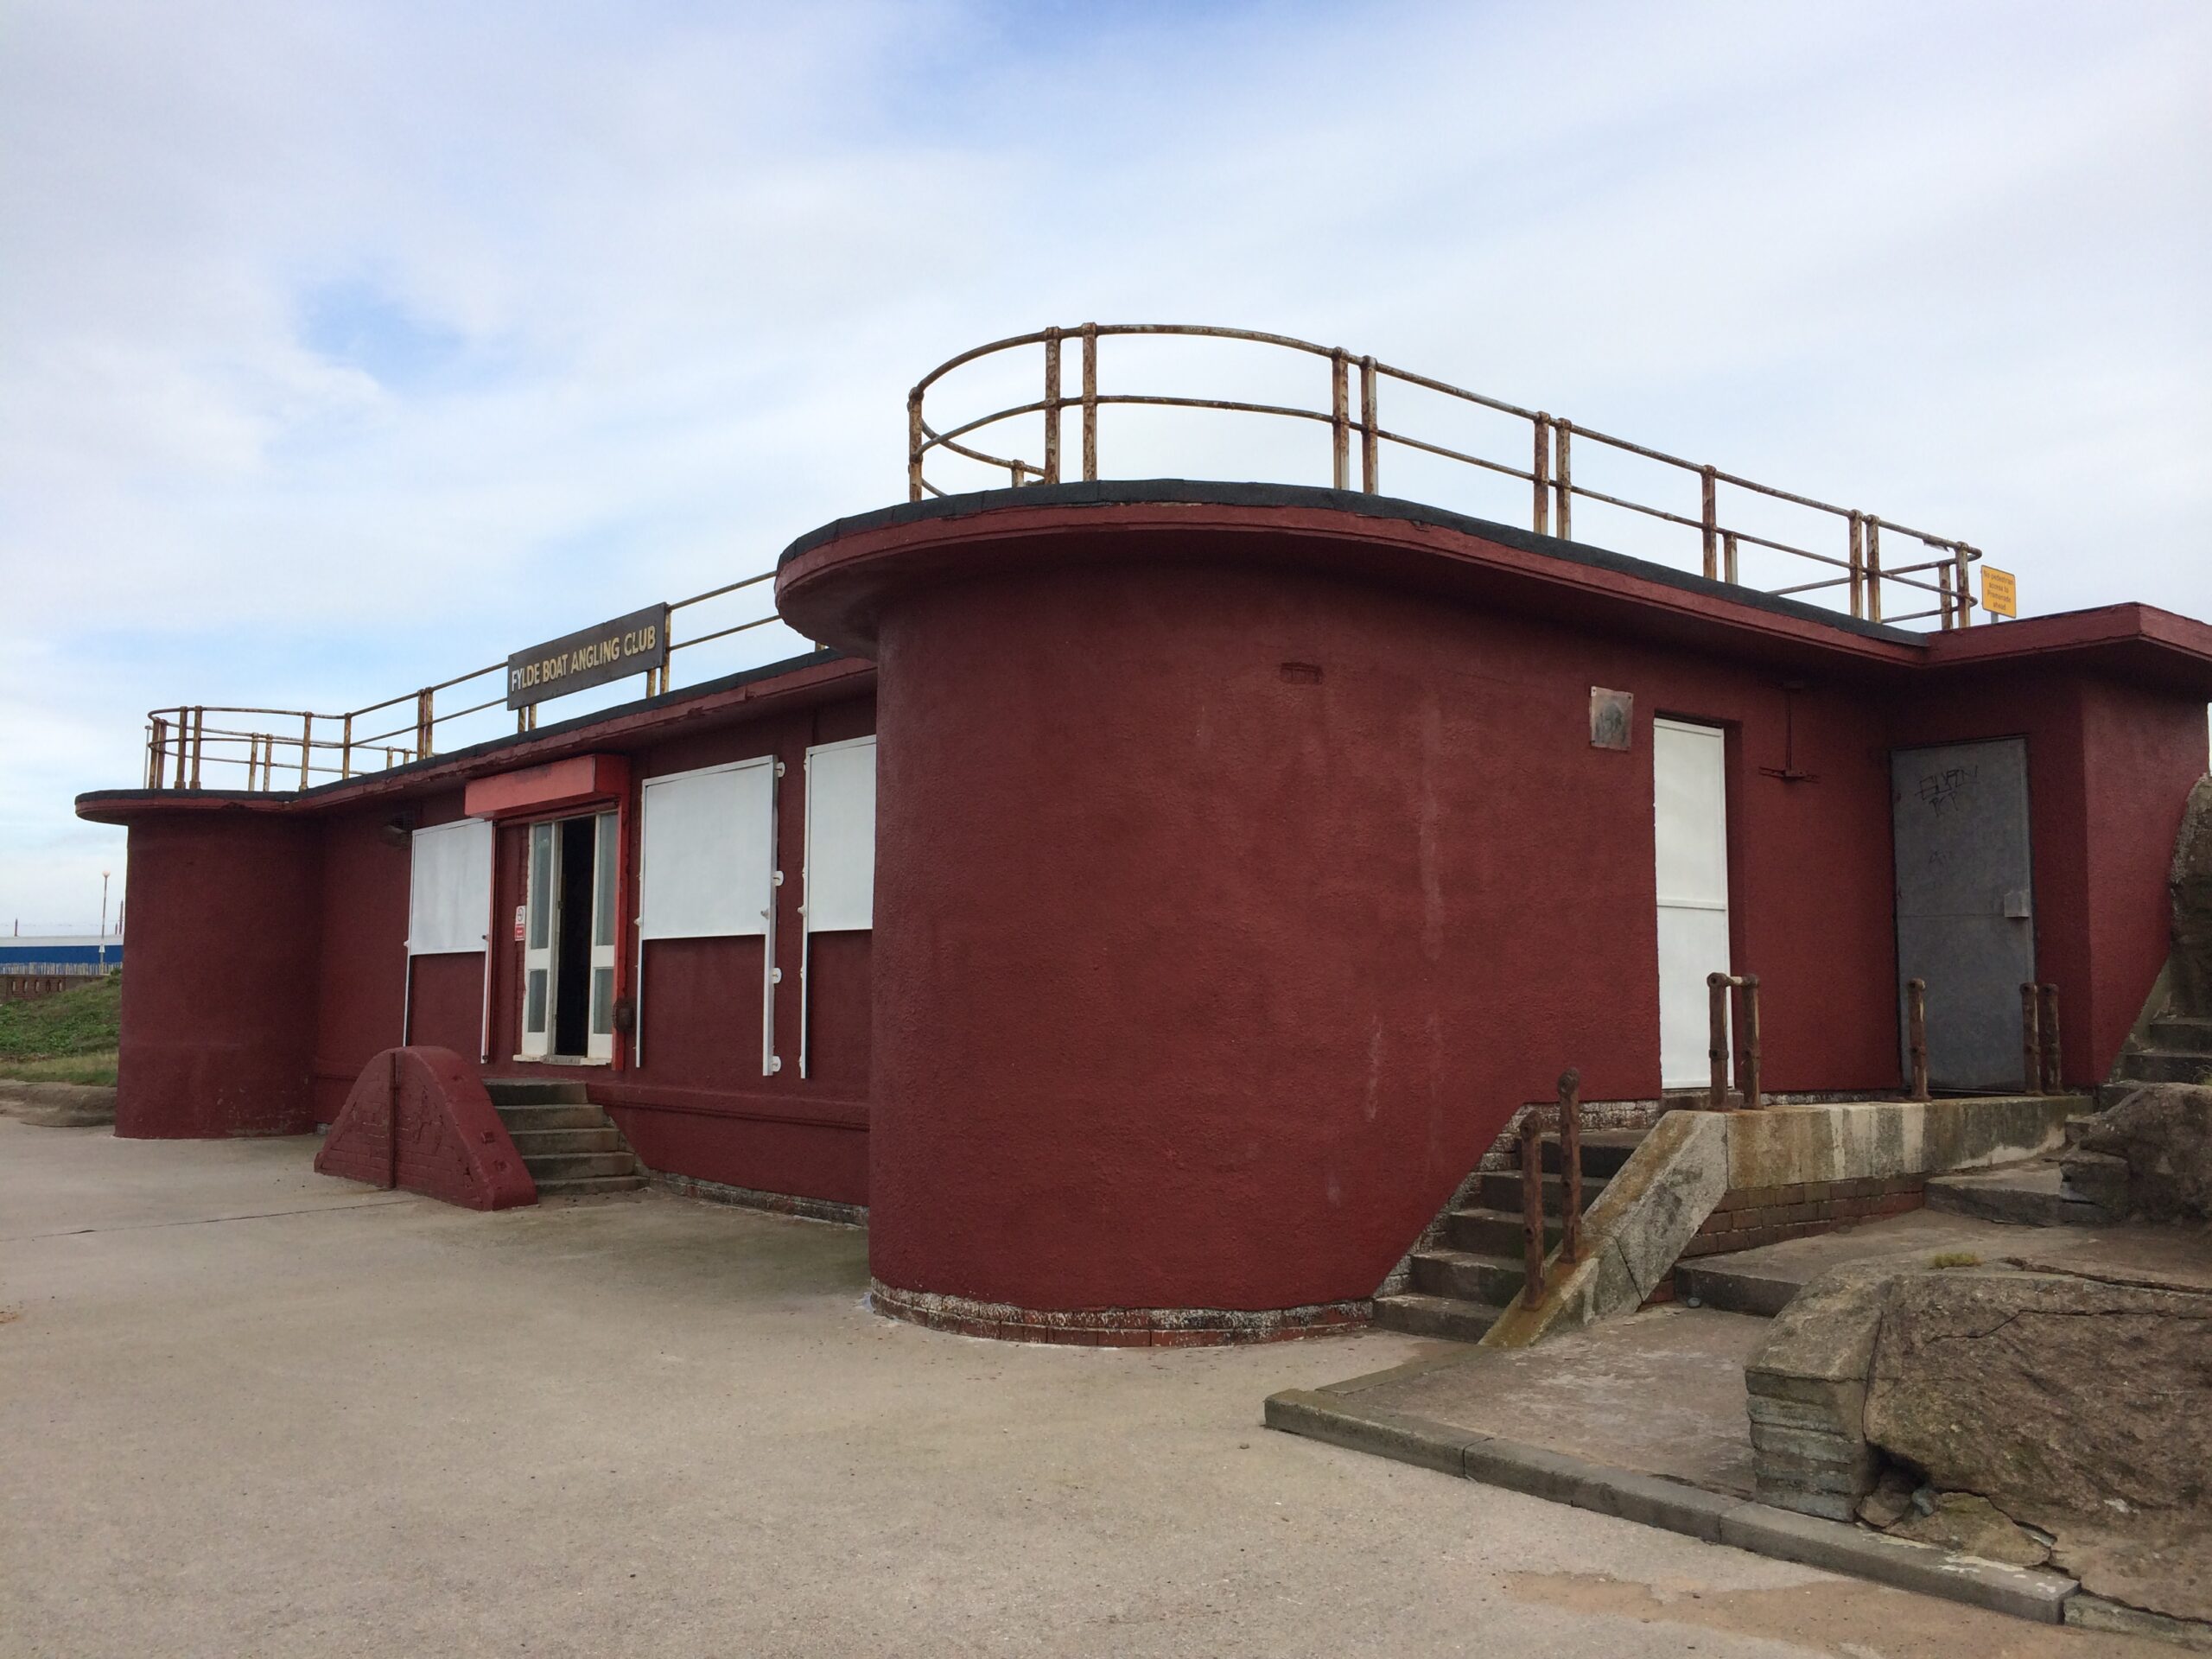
point(180, 743)
point(1858, 557)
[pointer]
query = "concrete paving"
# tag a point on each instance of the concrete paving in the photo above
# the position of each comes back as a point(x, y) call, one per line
point(248, 1410)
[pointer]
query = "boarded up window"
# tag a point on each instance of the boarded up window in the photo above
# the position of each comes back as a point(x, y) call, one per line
point(449, 888)
point(841, 837)
point(709, 854)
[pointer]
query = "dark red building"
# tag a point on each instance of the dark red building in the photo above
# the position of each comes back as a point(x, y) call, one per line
point(1183, 884)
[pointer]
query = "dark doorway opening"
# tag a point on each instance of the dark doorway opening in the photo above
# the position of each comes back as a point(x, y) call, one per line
point(572, 958)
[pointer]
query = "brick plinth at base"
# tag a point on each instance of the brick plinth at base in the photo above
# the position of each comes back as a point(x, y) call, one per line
point(1118, 1327)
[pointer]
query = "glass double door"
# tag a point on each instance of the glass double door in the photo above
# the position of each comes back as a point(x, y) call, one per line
point(569, 935)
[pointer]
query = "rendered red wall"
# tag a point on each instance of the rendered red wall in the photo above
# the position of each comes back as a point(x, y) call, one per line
point(1199, 984)
point(218, 1016)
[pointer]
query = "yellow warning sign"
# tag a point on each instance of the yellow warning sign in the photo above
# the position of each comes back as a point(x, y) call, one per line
point(2000, 594)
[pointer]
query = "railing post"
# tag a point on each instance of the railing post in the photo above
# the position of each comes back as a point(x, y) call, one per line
point(1340, 417)
point(346, 750)
point(1943, 596)
point(2030, 1039)
point(1563, 477)
point(1369, 442)
point(157, 759)
point(1963, 586)
point(1728, 557)
point(2054, 1077)
point(1089, 402)
point(199, 738)
point(914, 444)
point(1716, 1050)
point(1053, 405)
point(1873, 568)
point(1748, 1074)
point(1710, 520)
point(183, 728)
point(1541, 475)
point(1858, 564)
point(306, 745)
point(1532, 1203)
point(423, 722)
point(1570, 1165)
point(1916, 1027)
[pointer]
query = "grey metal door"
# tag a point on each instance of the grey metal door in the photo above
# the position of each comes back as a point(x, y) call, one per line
point(1966, 904)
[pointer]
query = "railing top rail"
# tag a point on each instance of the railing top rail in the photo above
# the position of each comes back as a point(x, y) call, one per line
point(1550, 476)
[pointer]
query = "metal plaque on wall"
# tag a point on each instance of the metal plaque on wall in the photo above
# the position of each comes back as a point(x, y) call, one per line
point(590, 656)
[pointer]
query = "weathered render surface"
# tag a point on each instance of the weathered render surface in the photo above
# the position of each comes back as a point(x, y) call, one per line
point(1785, 1146)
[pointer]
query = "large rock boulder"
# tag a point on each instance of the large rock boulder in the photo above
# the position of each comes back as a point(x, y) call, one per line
point(2190, 885)
point(2077, 1407)
point(2163, 1133)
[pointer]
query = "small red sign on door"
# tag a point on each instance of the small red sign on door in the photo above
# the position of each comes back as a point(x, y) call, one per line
point(518, 910)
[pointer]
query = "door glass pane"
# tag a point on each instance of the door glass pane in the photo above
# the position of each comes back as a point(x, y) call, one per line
point(603, 888)
point(602, 1000)
point(533, 1017)
point(541, 887)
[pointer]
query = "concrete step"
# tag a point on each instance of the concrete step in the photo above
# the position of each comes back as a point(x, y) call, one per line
point(539, 1143)
point(2187, 1033)
point(1495, 1232)
point(1603, 1151)
point(1434, 1316)
point(2165, 1065)
point(2027, 1195)
point(1501, 1189)
point(589, 1187)
point(560, 1167)
point(1467, 1277)
point(530, 1119)
point(534, 1091)
point(1735, 1286)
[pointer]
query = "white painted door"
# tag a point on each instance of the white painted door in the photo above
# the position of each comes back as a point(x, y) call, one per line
point(542, 881)
point(1690, 833)
point(605, 850)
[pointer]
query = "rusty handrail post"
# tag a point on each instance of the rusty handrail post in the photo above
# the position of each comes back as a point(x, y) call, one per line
point(1716, 1048)
point(158, 756)
point(1563, 477)
point(183, 728)
point(914, 444)
point(2030, 1039)
point(424, 702)
point(1728, 556)
point(1570, 1166)
point(2054, 1079)
point(1858, 564)
point(1916, 1026)
point(1748, 1073)
point(306, 745)
point(346, 750)
point(1965, 588)
point(1340, 416)
point(1052, 405)
point(199, 738)
point(1532, 1203)
point(1370, 458)
point(1943, 607)
point(1540, 474)
point(1873, 568)
point(1089, 402)
point(1709, 520)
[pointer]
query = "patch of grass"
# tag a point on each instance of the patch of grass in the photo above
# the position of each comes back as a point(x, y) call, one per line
point(1954, 1259)
point(68, 1068)
point(85, 1020)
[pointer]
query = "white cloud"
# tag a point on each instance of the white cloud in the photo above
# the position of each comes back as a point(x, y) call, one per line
point(669, 271)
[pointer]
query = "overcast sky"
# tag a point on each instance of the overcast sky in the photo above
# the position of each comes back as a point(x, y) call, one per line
point(343, 347)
